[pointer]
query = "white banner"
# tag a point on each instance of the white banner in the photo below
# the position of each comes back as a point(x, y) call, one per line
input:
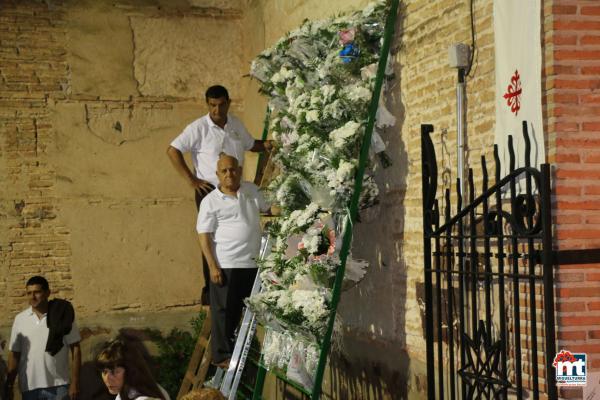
point(518, 79)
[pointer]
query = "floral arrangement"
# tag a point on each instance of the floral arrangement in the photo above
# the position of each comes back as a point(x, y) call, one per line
point(319, 79)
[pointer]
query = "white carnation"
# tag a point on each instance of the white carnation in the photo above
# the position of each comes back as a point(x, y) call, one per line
point(340, 135)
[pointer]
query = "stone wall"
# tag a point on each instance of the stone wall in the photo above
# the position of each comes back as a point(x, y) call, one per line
point(92, 93)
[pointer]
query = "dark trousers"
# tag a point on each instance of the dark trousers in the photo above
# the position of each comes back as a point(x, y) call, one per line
point(204, 296)
point(226, 304)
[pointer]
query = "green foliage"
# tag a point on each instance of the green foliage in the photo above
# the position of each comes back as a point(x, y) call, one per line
point(174, 352)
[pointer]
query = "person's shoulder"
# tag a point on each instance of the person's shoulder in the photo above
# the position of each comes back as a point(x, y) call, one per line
point(198, 124)
point(22, 316)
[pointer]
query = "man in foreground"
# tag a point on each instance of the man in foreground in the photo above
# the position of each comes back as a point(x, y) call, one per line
point(41, 338)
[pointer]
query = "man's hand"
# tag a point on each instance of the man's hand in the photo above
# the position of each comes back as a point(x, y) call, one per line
point(216, 276)
point(73, 391)
point(201, 186)
point(268, 145)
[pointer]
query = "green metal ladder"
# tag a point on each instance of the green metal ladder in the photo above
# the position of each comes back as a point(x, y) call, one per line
point(315, 393)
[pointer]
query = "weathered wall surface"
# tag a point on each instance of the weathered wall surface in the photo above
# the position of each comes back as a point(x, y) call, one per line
point(91, 94)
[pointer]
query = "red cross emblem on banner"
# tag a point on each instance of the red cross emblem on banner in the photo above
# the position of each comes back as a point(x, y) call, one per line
point(513, 93)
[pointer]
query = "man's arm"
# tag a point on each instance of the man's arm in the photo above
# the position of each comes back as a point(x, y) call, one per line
point(216, 275)
point(262, 145)
point(11, 374)
point(182, 168)
point(75, 367)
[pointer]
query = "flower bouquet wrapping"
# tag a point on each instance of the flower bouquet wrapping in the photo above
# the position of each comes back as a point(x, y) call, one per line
point(319, 79)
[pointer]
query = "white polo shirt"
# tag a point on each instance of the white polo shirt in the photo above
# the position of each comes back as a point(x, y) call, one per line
point(205, 140)
point(235, 224)
point(37, 368)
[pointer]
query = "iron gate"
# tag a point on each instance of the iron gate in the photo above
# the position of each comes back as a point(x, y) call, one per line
point(489, 303)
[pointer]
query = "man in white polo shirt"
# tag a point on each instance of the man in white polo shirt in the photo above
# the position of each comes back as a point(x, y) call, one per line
point(43, 364)
point(229, 233)
point(205, 139)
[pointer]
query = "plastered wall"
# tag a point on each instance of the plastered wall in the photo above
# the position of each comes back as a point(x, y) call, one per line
point(92, 93)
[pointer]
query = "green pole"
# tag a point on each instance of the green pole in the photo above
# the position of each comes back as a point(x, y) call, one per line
point(354, 202)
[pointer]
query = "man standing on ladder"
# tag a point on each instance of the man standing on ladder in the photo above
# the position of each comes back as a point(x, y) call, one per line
point(230, 234)
point(205, 139)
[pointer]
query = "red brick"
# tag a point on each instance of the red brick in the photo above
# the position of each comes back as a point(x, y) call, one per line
point(590, 39)
point(592, 189)
point(569, 277)
point(593, 70)
point(567, 98)
point(564, 9)
point(564, 173)
point(594, 334)
point(596, 364)
point(567, 157)
point(576, 54)
point(590, 98)
point(578, 234)
point(585, 348)
point(592, 219)
point(594, 305)
point(573, 25)
point(576, 111)
point(580, 292)
point(572, 335)
point(564, 39)
point(566, 126)
point(567, 190)
point(562, 70)
point(569, 306)
point(577, 84)
point(590, 10)
point(568, 219)
point(583, 172)
point(579, 320)
point(591, 126)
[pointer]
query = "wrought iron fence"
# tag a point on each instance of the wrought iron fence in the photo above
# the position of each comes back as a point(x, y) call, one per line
point(489, 301)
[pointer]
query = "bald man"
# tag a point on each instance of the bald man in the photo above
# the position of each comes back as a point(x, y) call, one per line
point(229, 232)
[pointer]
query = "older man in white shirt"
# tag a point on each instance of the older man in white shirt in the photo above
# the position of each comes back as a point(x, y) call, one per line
point(205, 139)
point(229, 233)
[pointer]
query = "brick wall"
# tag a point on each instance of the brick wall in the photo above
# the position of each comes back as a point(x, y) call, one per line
point(33, 72)
point(573, 81)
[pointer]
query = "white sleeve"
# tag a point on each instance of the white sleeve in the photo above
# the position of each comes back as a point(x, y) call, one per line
point(207, 219)
point(185, 141)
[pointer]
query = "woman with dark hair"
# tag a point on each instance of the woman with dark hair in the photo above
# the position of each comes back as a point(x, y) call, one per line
point(126, 374)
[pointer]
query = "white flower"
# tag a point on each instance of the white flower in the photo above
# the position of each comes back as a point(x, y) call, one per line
point(289, 138)
point(311, 240)
point(340, 135)
point(358, 93)
point(328, 92)
point(312, 116)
